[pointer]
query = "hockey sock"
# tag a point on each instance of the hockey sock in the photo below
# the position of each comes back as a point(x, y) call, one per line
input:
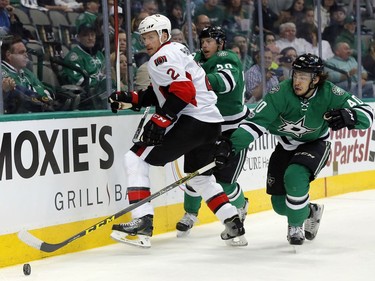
point(192, 204)
point(278, 204)
point(297, 185)
point(234, 193)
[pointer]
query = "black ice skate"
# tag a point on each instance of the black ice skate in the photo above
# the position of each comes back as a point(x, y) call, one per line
point(185, 224)
point(312, 223)
point(234, 231)
point(295, 235)
point(136, 233)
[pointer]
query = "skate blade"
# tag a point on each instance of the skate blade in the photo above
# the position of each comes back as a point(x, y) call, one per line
point(141, 241)
point(239, 241)
point(182, 234)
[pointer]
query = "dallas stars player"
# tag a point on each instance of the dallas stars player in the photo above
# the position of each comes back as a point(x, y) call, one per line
point(225, 74)
point(299, 112)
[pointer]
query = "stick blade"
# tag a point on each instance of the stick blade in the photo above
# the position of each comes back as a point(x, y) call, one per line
point(29, 239)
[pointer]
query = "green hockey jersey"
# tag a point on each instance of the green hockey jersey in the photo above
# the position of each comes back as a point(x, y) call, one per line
point(225, 74)
point(93, 65)
point(295, 120)
point(26, 79)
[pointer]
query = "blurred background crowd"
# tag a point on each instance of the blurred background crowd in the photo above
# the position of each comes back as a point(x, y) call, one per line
point(55, 57)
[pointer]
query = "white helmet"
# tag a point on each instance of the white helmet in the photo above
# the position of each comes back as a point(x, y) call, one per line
point(156, 23)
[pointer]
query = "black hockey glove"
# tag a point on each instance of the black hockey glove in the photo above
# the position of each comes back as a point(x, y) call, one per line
point(121, 100)
point(223, 152)
point(340, 118)
point(154, 130)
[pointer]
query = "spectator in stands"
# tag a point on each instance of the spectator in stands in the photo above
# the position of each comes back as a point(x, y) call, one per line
point(123, 77)
point(277, 6)
point(24, 91)
point(336, 25)
point(327, 6)
point(270, 43)
point(71, 4)
point(243, 43)
point(236, 19)
point(111, 19)
point(369, 61)
point(175, 14)
point(288, 39)
point(90, 14)
point(295, 13)
point(235, 48)
point(178, 36)
point(287, 57)
point(142, 78)
point(269, 18)
point(195, 40)
point(91, 62)
point(137, 44)
point(151, 7)
point(51, 5)
point(9, 22)
point(213, 10)
point(201, 22)
point(253, 77)
point(308, 18)
point(349, 36)
point(344, 61)
point(309, 32)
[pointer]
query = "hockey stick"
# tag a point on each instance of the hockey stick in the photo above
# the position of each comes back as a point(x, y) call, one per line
point(137, 134)
point(36, 243)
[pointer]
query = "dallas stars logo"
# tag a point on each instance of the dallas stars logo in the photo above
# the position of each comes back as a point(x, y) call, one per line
point(297, 129)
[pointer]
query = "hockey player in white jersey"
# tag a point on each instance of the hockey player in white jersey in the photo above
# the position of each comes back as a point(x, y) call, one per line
point(186, 122)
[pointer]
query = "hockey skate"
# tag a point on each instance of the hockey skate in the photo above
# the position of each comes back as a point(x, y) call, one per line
point(135, 233)
point(312, 223)
point(234, 231)
point(295, 235)
point(242, 212)
point(185, 224)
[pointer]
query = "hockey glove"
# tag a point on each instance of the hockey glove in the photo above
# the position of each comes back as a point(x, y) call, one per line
point(122, 100)
point(223, 152)
point(154, 130)
point(341, 118)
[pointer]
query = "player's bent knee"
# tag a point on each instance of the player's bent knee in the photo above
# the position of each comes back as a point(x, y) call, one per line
point(136, 170)
point(296, 179)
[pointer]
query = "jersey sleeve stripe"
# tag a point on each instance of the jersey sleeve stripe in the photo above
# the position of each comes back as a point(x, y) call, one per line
point(228, 80)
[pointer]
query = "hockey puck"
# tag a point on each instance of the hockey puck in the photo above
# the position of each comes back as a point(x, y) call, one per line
point(26, 269)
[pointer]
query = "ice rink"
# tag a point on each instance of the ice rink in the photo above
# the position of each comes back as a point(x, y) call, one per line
point(344, 250)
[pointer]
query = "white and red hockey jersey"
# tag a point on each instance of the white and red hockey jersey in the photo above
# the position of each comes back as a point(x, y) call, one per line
point(173, 69)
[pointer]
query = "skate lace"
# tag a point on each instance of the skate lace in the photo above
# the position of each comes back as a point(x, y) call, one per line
point(295, 231)
point(132, 223)
point(188, 219)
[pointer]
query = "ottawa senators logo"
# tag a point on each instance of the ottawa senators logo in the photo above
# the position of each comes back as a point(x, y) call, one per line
point(160, 60)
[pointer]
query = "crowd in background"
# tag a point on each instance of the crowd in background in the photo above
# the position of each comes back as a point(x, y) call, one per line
point(74, 51)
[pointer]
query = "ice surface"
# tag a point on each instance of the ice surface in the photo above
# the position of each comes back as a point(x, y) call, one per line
point(343, 250)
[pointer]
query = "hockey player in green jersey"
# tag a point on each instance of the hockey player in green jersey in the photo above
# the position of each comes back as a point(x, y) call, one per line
point(300, 111)
point(225, 74)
